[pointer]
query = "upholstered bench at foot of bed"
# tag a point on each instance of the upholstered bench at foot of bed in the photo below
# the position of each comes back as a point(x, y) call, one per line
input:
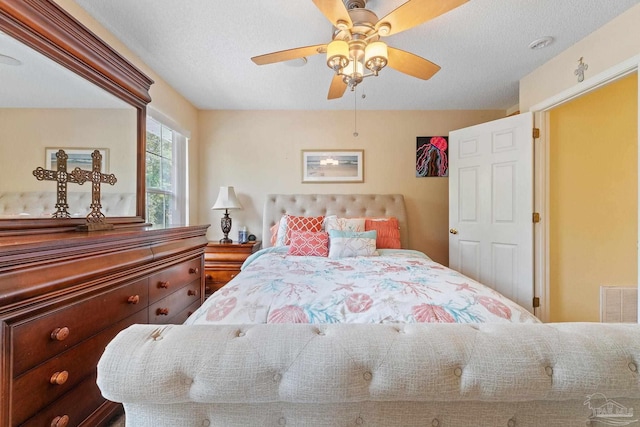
point(375, 375)
point(41, 204)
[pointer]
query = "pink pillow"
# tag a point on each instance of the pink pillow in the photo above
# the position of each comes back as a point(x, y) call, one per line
point(289, 223)
point(388, 232)
point(309, 243)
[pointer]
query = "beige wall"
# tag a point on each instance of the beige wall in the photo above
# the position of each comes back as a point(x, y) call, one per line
point(259, 152)
point(593, 225)
point(30, 131)
point(164, 98)
point(610, 45)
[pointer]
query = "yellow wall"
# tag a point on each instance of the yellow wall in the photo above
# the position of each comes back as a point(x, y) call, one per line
point(593, 198)
point(34, 129)
point(259, 152)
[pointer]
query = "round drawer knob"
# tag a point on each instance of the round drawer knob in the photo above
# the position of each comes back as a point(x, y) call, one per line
point(194, 270)
point(163, 285)
point(162, 312)
point(133, 299)
point(60, 334)
point(60, 421)
point(191, 292)
point(59, 378)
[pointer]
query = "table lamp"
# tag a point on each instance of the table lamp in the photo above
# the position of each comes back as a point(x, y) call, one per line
point(226, 200)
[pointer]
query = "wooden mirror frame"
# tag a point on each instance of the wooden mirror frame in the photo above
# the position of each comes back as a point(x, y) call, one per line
point(46, 27)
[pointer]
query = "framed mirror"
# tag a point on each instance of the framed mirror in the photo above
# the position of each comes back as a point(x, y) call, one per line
point(64, 88)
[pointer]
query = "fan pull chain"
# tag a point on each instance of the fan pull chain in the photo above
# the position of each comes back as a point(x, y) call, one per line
point(355, 113)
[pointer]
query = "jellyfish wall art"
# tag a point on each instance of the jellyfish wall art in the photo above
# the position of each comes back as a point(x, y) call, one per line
point(432, 156)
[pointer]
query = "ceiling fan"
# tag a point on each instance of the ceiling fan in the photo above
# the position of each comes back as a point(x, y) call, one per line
point(356, 47)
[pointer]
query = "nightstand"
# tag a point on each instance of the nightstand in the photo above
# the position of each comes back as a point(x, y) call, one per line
point(222, 262)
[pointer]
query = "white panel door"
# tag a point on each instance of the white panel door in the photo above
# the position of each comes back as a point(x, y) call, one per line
point(491, 205)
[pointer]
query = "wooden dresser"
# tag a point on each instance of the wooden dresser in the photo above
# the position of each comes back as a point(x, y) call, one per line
point(222, 262)
point(64, 296)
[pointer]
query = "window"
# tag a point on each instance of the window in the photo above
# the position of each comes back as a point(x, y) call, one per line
point(166, 175)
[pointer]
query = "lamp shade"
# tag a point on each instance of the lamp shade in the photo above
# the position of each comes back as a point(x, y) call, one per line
point(227, 199)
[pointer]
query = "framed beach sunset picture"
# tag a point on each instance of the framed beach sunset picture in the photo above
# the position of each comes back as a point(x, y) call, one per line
point(332, 166)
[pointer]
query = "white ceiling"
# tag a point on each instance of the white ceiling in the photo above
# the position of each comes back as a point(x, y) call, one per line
point(203, 48)
point(39, 82)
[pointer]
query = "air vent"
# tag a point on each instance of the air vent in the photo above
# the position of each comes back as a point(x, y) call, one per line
point(618, 304)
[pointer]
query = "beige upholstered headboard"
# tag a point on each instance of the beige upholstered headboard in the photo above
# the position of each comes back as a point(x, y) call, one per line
point(343, 205)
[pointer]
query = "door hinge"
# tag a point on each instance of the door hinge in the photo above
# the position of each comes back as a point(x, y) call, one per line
point(536, 302)
point(536, 133)
point(536, 217)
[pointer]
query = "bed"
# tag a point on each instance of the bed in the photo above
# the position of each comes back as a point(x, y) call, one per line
point(390, 338)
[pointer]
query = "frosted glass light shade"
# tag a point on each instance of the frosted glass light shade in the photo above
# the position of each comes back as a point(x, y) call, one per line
point(376, 56)
point(337, 54)
point(354, 69)
point(227, 199)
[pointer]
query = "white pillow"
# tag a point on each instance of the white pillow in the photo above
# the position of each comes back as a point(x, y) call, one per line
point(344, 244)
point(282, 231)
point(332, 222)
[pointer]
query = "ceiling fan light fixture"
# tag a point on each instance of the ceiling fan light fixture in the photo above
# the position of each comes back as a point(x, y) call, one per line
point(337, 55)
point(353, 74)
point(376, 56)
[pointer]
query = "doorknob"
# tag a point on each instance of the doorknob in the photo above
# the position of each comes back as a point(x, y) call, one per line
point(453, 231)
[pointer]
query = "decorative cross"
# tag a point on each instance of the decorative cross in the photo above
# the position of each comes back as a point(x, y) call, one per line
point(582, 67)
point(62, 177)
point(95, 219)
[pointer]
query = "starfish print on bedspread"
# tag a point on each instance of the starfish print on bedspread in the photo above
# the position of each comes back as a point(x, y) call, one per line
point(344, 287)
point(463, 287)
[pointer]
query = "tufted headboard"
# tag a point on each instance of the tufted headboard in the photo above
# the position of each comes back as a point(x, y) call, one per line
point(343, 205)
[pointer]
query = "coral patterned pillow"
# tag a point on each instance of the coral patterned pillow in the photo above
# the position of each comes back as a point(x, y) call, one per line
point(351, 243)
point(289, 223)
point(309, 243)
point(388, 232)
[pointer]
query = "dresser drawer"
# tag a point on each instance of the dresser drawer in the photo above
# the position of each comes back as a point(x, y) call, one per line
point(167, 308)
point(77, 405)
point(221, 276)
point(37, 388)
point(43, 337)
point(169, 280)
point(184, 314)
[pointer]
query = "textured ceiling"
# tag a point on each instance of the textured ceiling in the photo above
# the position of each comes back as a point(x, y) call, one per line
point(39, 82)
point(203, 48)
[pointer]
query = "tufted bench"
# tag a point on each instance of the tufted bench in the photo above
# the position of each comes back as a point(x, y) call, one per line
point(41, 204)
point(373, 375)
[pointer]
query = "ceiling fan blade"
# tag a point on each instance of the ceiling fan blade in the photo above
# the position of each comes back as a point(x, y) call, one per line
point(416, 12)
point(337, 88)
point(286, 55)
point(334, 11)
point(411, 64)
